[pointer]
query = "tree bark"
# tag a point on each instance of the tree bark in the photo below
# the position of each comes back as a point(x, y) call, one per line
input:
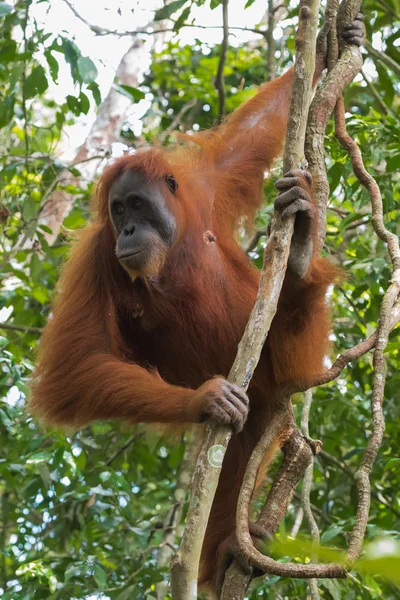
point(105, 130)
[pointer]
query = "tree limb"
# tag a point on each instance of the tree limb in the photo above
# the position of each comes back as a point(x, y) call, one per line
point(296, 457)
point(276, 255)
point(347, 357)
point(306, 491)
point(387, 60)
point(185, 564)
point(97, 30)
point(389, 303)
point(343, 467)
point(219, 78)
point(177, 120)
point(255, 558)
point(374, 92)
point(174, 517)
point(271, 67)
point(21, 328)
point(322, 106)
point(57, 203)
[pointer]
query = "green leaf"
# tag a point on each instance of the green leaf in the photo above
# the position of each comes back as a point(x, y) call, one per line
point(331, 533)
point(335, 173)
point(29, 210)
point(71, 53)
point(122, 482)
point(387, 567)
point(38, 457)
point(126, 594)
point(23, 388)
point(8, 50)
point(53, 581)
point(36, 83)
point(130, 92)
point(87, 69)
point(44, 474)
point(5, 9)
point(100, 576)
point(183, 18)
point(75, 219)
point(393, 462)
point(53, 65)
point(74, 171)
point(84, 103)
point(73, 104)
point(303, 548)
point(78, 105)
point(94, 88)
point(7, 110)
point(35, 267)
point(393, 163)
point(354, 451)
point(15, 76)
point(332, 587)
point(43, 241)
point(45, 228)
point(72, 571)
point(41, 295)
point(166, 11)
point(344, 223)
point(4, 418)
point(385, 83)
point(249, 3)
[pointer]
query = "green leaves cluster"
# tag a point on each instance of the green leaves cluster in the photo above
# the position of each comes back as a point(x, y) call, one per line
point(82, 515)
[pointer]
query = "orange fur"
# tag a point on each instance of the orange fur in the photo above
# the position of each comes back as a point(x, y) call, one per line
point(117, 348)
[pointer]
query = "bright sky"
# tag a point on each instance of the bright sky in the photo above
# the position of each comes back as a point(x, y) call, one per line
point(107, 51)
point(127, 15)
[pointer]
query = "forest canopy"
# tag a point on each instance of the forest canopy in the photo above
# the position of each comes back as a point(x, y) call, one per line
point(92, 514)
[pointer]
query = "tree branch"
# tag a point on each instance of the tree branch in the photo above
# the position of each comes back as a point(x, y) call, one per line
point(174, 516)
point(343, 467)
point(124, 447)
point(97, 30)
point(374, 92)
point(57, 203)
point(219, 78)
point(177, 120)
point(21, 328)
point(276, 255)
point(149, 28)
point(185, 564)
point(387, 60)
point(306, 491)
point(344, 359)
point(271, 67)
point(322, 106)
point(341, 74)
point(255, 558)
point(389, 303)
point(296, 457)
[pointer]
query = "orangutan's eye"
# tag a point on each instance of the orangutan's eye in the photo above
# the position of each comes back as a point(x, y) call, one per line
point(137, 203)
point(119, 208)
point(171, 183)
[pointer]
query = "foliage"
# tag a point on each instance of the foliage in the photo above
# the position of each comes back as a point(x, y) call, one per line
point(82, 514)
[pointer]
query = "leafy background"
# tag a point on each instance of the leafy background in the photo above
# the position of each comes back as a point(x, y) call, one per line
point(82, 515)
